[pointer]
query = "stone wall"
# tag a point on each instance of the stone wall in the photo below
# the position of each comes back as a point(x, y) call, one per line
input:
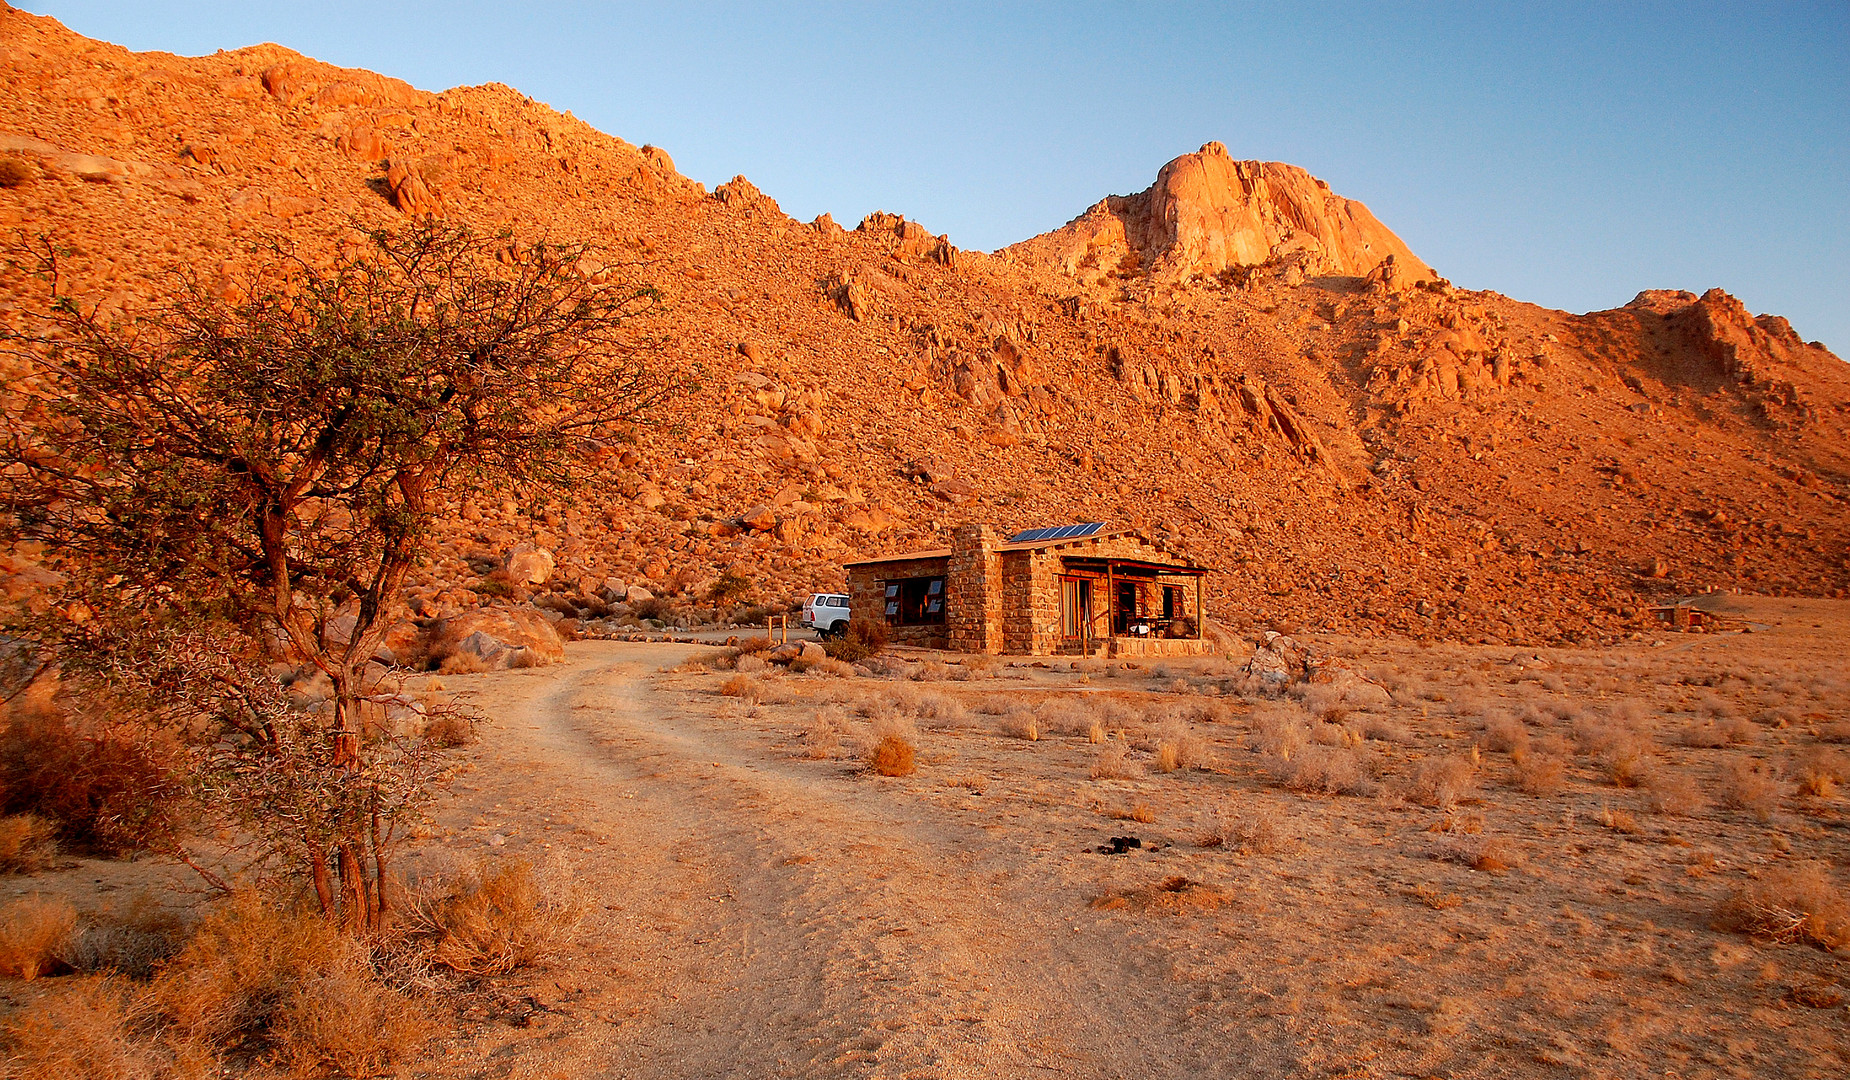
point(867, 599)
point(973, 606)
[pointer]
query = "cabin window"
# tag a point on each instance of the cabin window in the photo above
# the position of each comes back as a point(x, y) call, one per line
point(915, 601)
point(1173, 604)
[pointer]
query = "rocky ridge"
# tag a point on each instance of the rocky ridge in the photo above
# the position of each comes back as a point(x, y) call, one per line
point(1353, 442)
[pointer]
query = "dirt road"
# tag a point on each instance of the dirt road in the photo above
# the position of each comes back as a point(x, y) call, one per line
point(762, 915)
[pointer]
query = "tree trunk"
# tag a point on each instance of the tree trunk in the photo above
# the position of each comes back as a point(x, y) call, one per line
point(324, 881)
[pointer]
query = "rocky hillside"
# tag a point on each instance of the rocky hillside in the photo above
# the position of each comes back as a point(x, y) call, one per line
point(1223, 360)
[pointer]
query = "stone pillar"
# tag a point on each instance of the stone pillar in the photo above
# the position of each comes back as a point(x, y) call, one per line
point(973, 608)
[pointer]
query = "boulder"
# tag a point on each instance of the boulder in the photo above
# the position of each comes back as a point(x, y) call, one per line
point(526, 564)
point(636, 594)
point(495, 638)
point(1279, 660)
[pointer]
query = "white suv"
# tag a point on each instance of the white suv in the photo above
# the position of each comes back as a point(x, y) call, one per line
point(826, 614)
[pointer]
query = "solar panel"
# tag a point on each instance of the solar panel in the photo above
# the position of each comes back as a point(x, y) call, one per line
point(1057, 532)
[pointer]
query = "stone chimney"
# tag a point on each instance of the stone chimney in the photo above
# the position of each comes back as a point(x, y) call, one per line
point(973, 608)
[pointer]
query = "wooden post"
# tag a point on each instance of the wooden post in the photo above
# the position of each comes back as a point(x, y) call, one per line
point(1111, 602)
point(1201, 617)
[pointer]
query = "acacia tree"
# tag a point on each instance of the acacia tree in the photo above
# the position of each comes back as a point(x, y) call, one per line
point(261, 472)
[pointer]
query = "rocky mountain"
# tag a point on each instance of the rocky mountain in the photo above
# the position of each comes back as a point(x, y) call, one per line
point(1208, 214)
point(1228, 360)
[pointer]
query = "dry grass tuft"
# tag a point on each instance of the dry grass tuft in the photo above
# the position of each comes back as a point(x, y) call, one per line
point(1506, 735)
point(28, 844)
point(1752, 786)
point(893, 755)
point(1173, 895)
point(91, 1028)
point(1819, 771)
point(1539, 774)
point(744, 687)
point(256, 976)
point(1324, 770)
point(1111, 764)
point(1020, 724)
point(1790, 904)
point(1441, 782)
point(450, 728)
point(493, 920)
point(1261, 833)
point(1434, 897)
point(34, 934)
point(1673, 793)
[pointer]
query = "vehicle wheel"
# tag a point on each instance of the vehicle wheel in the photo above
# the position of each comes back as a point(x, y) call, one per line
point(837, 628)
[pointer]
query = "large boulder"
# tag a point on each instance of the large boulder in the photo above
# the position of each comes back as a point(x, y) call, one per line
point(528, 565)
point(489, 639)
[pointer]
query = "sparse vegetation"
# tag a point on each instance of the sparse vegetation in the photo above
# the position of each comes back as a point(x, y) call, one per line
point(34, 934)
point(1790, 904)
point(494, 918)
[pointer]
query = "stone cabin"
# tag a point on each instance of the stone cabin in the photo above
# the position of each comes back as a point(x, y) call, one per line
point(1075, 590)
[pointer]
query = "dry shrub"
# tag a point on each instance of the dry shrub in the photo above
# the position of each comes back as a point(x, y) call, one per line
point(1261, 833)
point(1111, 764)
point(1434, 897)
point(1279, 731)
point(107, 788)
point(1095, 734)
point(861, 640)
point(750, 664)
point(822, 735)
point(893, 755)
point(28, 844)
point(133, 942)
point(1064, 717)
point(490, 920)
point(1790, 904)
point(1441, 782)
point(255, 976)
point(1819, 771)
point(450, 728)
point(1487, 854)
point(833, 668)
point(743, 687)
point(1506, 735)
point(1381, 729)
point(940, 710)
point(1620, 821)
point(1539, 774)
point(92, 1028)
point(1180, 747)
point(1674, 793)
point(1325, 702)
point(34, 934)
point(1020, 724)
point(1323, 770)
point(1173, 895)
point(1713, 734)
point(1628, 760)
point(1752, 786)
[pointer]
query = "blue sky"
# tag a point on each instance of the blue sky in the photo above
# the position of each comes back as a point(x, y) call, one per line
point(1563, 154)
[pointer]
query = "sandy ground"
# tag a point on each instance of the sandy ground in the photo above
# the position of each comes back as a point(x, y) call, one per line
point(763, 905)
point(767, 907)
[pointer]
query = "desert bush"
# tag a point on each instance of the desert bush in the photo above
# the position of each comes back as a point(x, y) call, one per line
point(1538, 774)
point(834, 669)
point(1381, 729)
point(34, 934)
point(493, 919)
point(106, 788)
point(893, 755)
point(1019, 724)
point(1441, 782)
point(1323, 770)
point(1111, 764)
point(28, 844)
point(750, 664)
point(743, 687)
point(288, 983)
point(1790, 904)
point(450, 728)
point(1753, 786)
point(862, 639)
point(822, 735)
point(1628, 760)
point(133, 942)
point(1819, 771)
point(1184, 749)
point(1260, 832)
point(1505, 734)
point(1675, 793)
point(95, 1028)
point(1279, 731)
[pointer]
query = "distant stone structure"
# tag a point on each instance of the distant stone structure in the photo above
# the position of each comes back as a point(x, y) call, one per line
point(1070, 590)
